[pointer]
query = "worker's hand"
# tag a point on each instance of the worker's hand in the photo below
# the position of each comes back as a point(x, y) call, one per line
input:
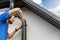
point(11, 20)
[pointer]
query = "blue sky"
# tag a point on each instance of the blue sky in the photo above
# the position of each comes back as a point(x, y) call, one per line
point(48, 3)
point(51, 5)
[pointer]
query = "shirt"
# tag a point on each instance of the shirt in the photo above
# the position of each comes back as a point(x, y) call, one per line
point(4, 25)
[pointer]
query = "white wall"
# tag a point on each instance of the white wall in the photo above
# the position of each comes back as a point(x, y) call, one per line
point(37, 29)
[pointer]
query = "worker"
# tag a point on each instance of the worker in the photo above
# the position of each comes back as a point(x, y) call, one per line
point(6, 18)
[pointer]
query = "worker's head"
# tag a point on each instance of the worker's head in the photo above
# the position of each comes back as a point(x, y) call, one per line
point(11, 20)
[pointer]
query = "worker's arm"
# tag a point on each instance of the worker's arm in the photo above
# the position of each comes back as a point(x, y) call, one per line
point(11, 13)
point(12, 34)
point(17, 11)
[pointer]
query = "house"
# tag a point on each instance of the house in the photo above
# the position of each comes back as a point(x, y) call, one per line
point(42, 24)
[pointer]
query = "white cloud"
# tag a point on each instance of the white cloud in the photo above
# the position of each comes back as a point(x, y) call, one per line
point(56, 10)
point(38, 2)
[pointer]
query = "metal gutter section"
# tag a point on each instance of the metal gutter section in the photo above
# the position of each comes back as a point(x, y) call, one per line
point(24, 32)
